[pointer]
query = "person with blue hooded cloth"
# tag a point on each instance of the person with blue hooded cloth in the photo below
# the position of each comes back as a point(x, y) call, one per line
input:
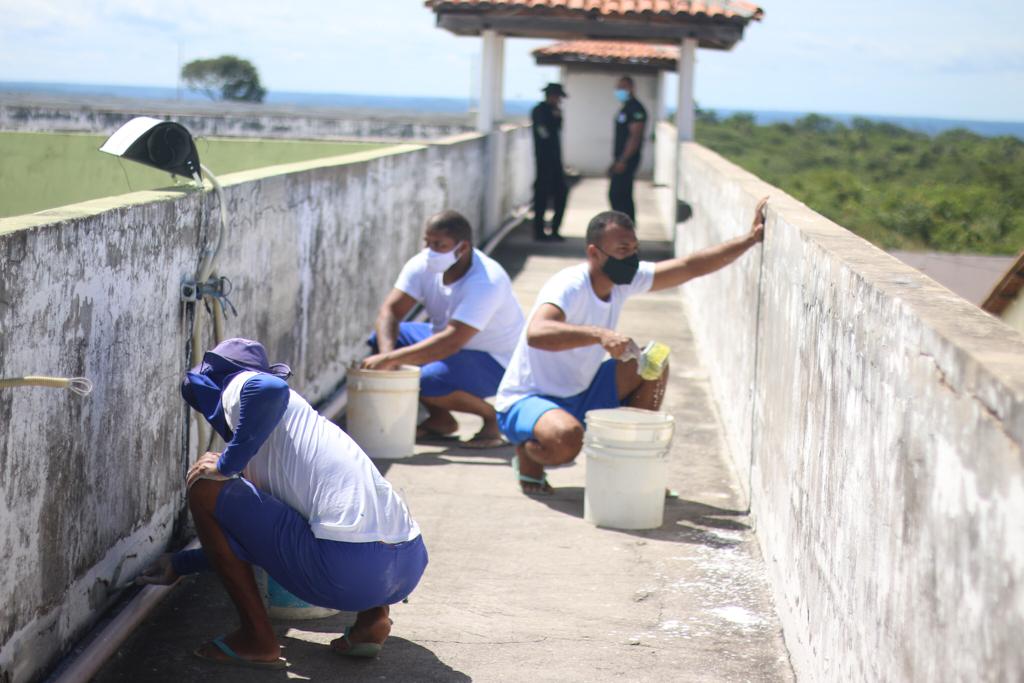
point(293, 494)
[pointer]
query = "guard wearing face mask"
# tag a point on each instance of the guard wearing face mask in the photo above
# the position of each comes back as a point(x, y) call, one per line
point(474, 324)
point(570, 359)
point(629, 138)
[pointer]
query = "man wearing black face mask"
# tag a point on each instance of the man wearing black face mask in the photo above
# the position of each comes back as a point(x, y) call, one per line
point(559, 371)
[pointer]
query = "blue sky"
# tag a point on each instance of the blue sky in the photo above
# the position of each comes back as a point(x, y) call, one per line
point(908, 57)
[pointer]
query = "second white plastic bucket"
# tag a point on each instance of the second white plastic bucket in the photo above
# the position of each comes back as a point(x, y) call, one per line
point(625, 487)
point(382, 410)
point(627, 471)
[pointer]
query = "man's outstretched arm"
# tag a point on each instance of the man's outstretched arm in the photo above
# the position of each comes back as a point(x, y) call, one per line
point(548, 331)
point(674, 272)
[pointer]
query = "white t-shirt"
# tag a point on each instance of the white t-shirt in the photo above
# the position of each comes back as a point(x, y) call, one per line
point(314, 467)
point(482, 299)
point(535, 372)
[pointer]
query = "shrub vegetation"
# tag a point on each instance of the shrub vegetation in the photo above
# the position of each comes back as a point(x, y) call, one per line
point(955, 192)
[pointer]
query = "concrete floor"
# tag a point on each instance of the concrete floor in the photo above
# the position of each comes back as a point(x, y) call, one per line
point(524, 589)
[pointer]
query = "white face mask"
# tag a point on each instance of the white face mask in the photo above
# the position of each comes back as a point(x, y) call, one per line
point(440, 261)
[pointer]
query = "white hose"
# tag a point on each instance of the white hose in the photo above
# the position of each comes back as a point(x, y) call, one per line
point(206, 266)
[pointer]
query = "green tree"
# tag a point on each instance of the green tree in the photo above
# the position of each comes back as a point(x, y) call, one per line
point(956, 191)
point(226, 78)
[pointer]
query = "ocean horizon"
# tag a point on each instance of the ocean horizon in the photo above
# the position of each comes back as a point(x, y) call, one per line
point(464, 105)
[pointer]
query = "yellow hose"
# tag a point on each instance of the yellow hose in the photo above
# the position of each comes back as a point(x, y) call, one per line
point(76, 385)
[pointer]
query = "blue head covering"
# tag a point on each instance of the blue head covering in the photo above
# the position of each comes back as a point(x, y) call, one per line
point(204, 383)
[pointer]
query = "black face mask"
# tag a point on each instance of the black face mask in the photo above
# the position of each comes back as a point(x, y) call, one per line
point(620, 270)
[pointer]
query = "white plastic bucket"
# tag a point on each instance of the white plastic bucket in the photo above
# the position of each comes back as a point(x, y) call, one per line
point(626, 468)
point(382, 410)
point(630, 428)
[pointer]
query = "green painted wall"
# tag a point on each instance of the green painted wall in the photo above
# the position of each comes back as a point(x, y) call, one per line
point(41, 171)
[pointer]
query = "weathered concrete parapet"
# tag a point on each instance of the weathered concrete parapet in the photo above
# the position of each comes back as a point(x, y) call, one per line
point(92, 488)
point(880, 420)
point(227, 121)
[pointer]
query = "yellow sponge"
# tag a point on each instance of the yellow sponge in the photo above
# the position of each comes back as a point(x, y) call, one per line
point(653, 359)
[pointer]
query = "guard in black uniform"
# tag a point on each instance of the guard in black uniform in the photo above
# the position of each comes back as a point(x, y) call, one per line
point(629, 138)
point(547, 146)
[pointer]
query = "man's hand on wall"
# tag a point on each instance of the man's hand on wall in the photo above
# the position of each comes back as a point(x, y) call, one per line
point(757, 227)
point(160, 573)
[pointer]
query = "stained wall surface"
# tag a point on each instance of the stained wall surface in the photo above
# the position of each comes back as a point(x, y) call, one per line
point(91, 488)
point(227, 121)
point(879, 421)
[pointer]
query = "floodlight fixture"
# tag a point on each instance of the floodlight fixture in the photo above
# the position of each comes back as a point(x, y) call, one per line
point(168, 146)
point(163, 145)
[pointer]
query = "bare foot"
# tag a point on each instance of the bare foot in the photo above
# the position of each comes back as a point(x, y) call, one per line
point(440, 423)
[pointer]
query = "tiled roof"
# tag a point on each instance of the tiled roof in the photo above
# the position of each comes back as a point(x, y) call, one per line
point(609, 52)
point(621, 9)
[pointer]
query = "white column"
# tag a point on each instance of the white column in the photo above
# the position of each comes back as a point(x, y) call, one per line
point(491, 110)
point(491, 70)
point(661, 106)
point(685, 114)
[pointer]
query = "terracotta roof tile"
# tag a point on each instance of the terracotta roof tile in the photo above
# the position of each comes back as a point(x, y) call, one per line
point(661, 9)
point(609, 52)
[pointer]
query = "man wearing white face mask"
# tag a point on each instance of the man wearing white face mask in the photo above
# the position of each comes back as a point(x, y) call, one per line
point(475, 322)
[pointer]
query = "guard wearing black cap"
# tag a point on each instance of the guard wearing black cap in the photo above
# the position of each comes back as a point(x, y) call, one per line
point(547, 146)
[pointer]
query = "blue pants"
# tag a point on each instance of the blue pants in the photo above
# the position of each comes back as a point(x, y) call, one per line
point(345, 576)
point(475, 372)
point(517, 422)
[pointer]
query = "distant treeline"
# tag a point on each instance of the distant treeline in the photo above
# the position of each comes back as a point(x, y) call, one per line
point(899, 189)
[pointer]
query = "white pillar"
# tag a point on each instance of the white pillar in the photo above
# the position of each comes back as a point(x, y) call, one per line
point(491, 110)
point(491, 71)
point(661, 106)
point(685, 114)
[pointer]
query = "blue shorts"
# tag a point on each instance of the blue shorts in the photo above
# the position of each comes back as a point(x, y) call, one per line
point(475, 372)
point(517, 422)
point(346, 576)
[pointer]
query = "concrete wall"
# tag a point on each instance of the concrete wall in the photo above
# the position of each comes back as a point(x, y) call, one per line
point(588, 131)
point(91, 488)
point(241, 123)
point(879, 420)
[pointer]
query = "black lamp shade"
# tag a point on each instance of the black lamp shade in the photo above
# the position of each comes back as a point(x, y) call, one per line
point(164, 145)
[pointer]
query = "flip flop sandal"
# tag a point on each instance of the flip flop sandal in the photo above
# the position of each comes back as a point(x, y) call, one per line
point(545, 487)
point(429, 436)
point(484, 442)
point(235, 659)
point(361, 650)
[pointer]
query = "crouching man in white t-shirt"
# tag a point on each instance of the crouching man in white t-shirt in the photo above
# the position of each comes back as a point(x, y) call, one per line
point(558, 370)
point(475, 321)
point(293, 494)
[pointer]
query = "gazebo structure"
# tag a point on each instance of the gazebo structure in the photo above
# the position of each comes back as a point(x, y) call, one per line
point(711, 24)
point(589, 71)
